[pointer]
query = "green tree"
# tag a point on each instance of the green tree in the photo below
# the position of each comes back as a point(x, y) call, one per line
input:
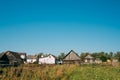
point(61, 56)
point(103, 58)
point(101, 54)
point(117, 56)
point(111, 54)
point(40, 54)
point(95, 55)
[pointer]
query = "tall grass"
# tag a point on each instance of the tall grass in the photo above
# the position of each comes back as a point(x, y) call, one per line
point(60, 72)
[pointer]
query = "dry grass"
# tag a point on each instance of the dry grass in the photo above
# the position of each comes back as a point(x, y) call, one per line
point(61, 72)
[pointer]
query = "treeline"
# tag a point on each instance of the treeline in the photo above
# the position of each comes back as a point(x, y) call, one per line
point(103, 56)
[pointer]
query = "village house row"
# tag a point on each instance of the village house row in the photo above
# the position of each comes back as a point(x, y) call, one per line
point(16, 58)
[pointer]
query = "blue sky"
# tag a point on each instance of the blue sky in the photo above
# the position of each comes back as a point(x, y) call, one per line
point(55, 26)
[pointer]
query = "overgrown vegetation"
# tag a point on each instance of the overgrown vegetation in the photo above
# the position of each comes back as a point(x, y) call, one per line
point(103, 56)
point(61, 72)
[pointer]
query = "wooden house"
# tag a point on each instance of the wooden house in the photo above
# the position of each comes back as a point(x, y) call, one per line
point(71, 58)
point(50, 59)
point(10, 58)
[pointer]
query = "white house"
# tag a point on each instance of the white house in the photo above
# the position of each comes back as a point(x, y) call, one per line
point(50, 59)
point(31, 58)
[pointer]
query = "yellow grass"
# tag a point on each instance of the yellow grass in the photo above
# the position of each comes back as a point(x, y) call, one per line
point(61, 72)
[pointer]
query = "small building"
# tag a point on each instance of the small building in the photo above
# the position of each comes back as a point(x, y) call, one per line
point(89, 59)
point(71, 58)
point(10, 58)
point(32, 58)
point(50, 59)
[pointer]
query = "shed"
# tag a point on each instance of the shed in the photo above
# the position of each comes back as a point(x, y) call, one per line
point(89, 59)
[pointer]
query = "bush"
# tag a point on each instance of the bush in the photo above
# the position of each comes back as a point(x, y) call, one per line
point(103, 58)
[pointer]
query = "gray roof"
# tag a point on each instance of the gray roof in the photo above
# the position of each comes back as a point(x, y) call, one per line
point(11, 56)
point(31, 56)
point(71, 56)
point(89, 57)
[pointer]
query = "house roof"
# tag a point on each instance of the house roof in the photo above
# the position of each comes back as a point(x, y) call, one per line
point(12, 56)
point(49, 55)
point(88, 56)
point(53, 56)
point(31, 56)
point(72, 56)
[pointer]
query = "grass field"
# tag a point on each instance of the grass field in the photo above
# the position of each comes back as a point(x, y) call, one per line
point(60, 72)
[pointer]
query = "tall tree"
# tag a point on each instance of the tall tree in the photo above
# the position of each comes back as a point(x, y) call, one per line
point(95, 55)
point(103, 58)
point(118, 55)
point(61, 56)
point(40, 54)
point(111, 54)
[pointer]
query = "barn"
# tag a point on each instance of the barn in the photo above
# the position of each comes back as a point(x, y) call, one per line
point(71, 58)
point(10, 58)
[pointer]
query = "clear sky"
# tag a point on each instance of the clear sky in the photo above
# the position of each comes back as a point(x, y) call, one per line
point(55, 26)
